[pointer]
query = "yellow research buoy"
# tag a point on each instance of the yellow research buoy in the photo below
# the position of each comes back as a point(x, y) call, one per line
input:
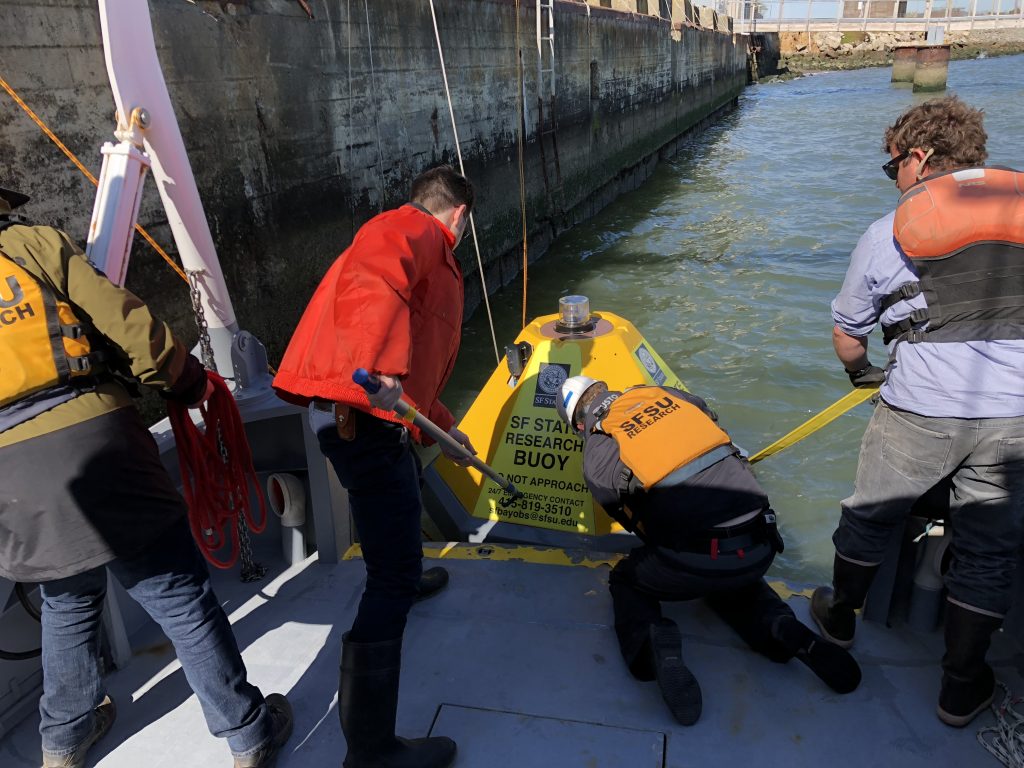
point(515, 428)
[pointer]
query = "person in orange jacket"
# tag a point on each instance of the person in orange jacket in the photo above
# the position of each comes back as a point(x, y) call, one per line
point(392, 304)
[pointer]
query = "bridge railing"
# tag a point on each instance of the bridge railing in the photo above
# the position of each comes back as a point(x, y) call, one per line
point(874, 15)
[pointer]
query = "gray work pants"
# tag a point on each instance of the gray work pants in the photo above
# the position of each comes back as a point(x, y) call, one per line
point(902, 456)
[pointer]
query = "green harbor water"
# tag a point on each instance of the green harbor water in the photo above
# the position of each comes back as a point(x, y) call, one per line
point(727, 260)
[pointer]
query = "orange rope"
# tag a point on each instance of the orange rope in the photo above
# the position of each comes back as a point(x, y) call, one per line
point(78, 164)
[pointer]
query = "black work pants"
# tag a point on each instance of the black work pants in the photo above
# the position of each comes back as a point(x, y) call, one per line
point(733, 587)
point(382, 475)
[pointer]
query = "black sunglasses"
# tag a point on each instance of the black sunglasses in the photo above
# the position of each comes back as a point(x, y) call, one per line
point(892, 168)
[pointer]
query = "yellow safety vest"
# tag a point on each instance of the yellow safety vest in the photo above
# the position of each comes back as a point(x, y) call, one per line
point(43, 346)
point(663, 438)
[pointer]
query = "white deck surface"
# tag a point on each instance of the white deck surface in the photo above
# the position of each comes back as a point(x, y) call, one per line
point(519, 663)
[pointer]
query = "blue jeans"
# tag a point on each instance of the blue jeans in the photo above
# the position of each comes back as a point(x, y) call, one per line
point(382, 475)
point(903, 456)
point(170, 581)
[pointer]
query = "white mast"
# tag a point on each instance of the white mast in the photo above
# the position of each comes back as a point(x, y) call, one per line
point(138, 82)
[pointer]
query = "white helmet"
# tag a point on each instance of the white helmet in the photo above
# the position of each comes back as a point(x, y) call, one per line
point(572, 390)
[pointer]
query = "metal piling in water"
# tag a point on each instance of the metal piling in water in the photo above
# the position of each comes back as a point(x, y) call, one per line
point(925, 66)
point(932, 68)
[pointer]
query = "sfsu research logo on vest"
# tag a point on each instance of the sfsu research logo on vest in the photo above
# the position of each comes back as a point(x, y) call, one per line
point(13, 306)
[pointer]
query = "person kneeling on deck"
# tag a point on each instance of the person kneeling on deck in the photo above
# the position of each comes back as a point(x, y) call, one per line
point(85, 492)
point(655, 459)
point(944, 275)
point(392, 304)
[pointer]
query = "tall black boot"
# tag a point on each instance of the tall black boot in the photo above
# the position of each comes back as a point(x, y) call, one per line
point(367, 705)
point(834, 665)
point(833, 607)
point(968, 683)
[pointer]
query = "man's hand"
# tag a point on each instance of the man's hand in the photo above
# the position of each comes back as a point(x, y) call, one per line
point(462, 439)
point(868, 376)
point(386, 398)
point(207, 394)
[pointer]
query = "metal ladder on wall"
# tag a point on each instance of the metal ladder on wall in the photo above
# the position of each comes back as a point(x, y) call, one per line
point(546, 122)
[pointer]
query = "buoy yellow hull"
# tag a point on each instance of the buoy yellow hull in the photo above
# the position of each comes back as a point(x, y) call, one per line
point(516, 429)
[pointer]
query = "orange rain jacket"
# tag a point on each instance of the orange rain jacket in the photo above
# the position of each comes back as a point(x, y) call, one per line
point(392, 304)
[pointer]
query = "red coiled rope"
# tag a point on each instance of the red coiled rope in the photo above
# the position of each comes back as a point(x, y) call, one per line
point(216, 492)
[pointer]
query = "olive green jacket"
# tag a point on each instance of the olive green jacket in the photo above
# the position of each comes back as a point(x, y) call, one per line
point(139, 345)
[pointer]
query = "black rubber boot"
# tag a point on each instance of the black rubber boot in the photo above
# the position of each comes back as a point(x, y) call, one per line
point(678, 686)
point(833, 607)
point(834, 665)
point(432, 581)
point(367, 705)
point(968, 683)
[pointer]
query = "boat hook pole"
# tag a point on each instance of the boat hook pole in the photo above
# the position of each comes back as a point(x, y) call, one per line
point(363, 378)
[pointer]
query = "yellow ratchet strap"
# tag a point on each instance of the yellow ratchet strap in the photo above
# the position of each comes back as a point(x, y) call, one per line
point(812, 425)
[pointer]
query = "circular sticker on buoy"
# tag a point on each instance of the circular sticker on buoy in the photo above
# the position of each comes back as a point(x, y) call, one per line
point(647, 360)
point(552, 377)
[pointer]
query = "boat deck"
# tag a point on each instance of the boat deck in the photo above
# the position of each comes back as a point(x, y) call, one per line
point(517, 662)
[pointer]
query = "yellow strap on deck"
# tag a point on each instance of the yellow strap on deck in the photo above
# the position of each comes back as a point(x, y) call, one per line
point(809, 427)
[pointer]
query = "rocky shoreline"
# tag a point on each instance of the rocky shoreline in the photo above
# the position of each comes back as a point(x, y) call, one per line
point(829, 51)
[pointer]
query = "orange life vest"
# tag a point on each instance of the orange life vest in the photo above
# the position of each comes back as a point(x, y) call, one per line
point(662, 438)
point(964, 232)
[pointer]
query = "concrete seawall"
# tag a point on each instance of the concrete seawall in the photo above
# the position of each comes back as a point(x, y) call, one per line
point(299, 129)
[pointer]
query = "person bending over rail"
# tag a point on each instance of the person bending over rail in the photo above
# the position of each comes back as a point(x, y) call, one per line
point(85, 492)
point(658, 463)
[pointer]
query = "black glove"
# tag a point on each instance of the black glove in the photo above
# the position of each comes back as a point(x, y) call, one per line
point(191, 384)
point(868, 376)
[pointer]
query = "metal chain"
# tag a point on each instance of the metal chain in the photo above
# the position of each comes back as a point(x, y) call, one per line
point(251, 570)
point(205, 345)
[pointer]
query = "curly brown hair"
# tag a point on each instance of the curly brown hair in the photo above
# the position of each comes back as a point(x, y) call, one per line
point(947, 126)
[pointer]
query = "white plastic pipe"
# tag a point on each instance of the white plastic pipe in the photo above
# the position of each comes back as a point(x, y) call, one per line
point(287, 496)
point(928, 574)
point(926, 595)
point(137, 81)
point(109, 244)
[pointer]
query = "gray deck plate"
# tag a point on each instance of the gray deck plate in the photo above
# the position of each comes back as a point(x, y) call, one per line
point(495, 739)
point(537, 639)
